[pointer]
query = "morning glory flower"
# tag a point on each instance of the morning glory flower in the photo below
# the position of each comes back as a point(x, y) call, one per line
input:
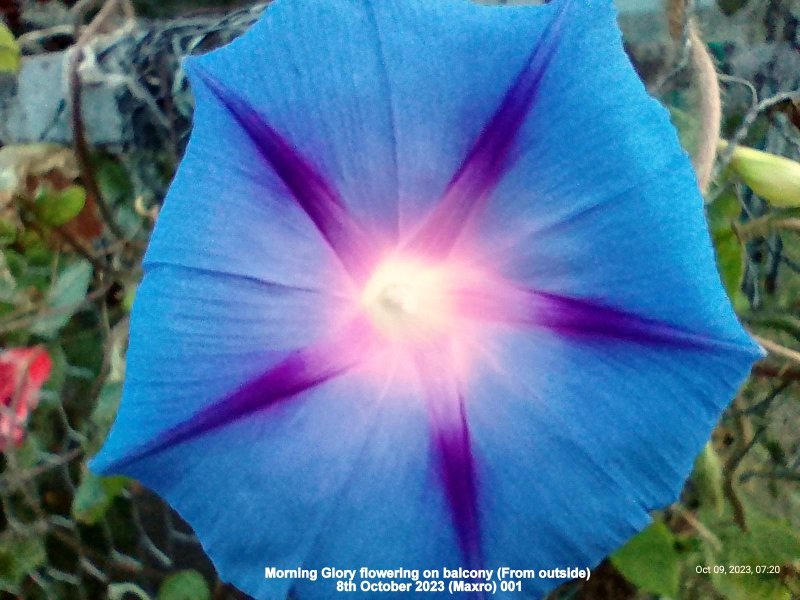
point(432, 288)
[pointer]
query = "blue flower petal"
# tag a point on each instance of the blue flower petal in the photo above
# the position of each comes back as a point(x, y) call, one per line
point(394, 511)
point(322, 203)
point(646, 252)
point(601, 202)
point(387, 98)
point(227, 212)
point(576, 440)
point(487, 161)
point(257, 497)
point(198, 336)
point(344, 475)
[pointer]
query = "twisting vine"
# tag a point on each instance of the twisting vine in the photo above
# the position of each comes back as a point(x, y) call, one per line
point(683, 29)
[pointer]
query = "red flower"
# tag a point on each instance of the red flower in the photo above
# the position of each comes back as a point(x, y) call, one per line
point(23, 371)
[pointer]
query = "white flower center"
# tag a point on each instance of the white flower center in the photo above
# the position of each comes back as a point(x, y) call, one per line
point(406, 298)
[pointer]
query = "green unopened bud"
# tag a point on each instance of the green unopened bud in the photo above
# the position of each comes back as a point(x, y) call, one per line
point(775, 178)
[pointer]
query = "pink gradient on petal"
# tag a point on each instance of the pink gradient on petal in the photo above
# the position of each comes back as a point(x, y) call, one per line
point(416, 302)
point(450, 435)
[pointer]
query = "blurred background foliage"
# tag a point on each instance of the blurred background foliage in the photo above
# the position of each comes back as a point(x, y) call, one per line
point(74, 222)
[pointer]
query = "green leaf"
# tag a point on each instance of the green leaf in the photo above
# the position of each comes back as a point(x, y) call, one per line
point(748, 587)
point(113, 180)
point(37, 252)
point(64, 299)
point(59, 207)
point(650, 561)
point(58, 372)
point(106, 409)
point(730, 261)
point(120, 591)
point(774, 539)
point(8, 232)
point(104, 413)
point(767, 542)
point(94, 497)
point(130, 296)
point(708, 479)
point(9, 51)
point(186, 585)
point(730, 7)
point(28, 454)
point(19, 556)
point(724, 210)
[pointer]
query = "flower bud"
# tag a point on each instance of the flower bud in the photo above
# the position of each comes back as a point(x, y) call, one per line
point(775, 178)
